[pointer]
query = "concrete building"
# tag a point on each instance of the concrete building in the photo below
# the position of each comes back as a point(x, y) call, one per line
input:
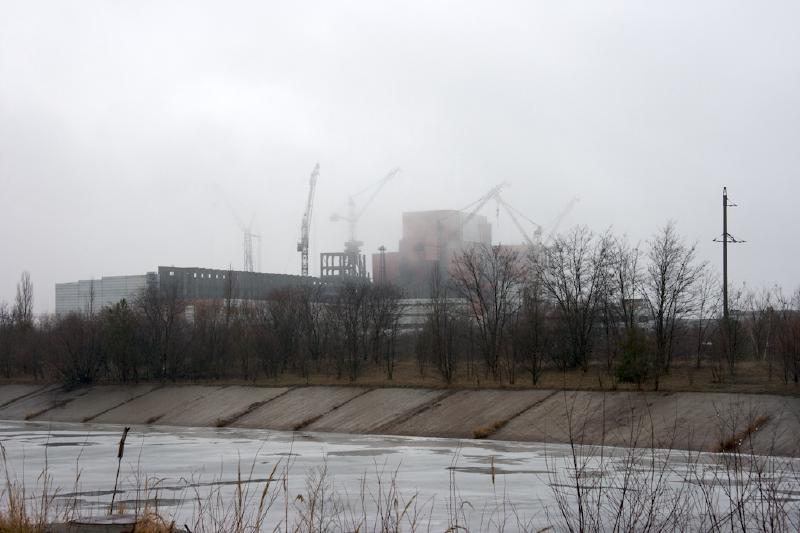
point(90, 295)
point(209, 284)
point(192, 284)
point(431, 240)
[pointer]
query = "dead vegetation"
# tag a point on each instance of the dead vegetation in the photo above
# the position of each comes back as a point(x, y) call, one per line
point(484, 432)
point(735, 441)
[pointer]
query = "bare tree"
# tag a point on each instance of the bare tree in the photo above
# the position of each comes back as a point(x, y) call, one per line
point(352, 318)
point(669, 281)
point(78, 356)
point(573, 273)
point(788, 335)
point(383, 315)
point(621, 304)
point(531, 338)
point(120, 341)
point(490, 279)
point(22, 313)
point(707, 302)
point(760, 325)
point(166, 336)
point(312, 332)
point(6, 339)
point(23, 335)
point(438, 337)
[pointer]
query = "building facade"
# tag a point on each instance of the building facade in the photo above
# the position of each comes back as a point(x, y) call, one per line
point(430, 242)
point(189, 284)
point(91, 295)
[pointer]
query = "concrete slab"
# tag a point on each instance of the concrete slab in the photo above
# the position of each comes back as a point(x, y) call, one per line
point(9, 393)
point(781, 434)
point(220, 407)
point(695, 421)
point(586, 416)
point(298, 407)
point(97, 400)
point(28, 407)
point(371, 412)
point(151, 407)
point(460, 414)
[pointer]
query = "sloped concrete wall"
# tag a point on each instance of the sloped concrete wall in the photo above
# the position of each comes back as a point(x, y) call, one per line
point(462, 413)
point(220, 408)
point(298, 408)
point(700, 421)
point(93, 402)
point(374, 411)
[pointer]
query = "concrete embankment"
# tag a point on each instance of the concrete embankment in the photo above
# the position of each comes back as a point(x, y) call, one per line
point(766, 424)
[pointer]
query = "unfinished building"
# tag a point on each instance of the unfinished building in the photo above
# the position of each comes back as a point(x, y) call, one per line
point(430, 242)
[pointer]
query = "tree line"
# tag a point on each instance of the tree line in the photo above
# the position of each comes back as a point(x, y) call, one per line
point(498, 314)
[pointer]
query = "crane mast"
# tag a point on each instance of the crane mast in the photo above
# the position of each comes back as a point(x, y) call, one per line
point(305, 225)
point(352, 248)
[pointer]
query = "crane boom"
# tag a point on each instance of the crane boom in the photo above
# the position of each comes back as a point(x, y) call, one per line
point(353, 214)
point(493, 192)
point(305, 225)
point(510, 211)
point(560, 218)
point(378, 186)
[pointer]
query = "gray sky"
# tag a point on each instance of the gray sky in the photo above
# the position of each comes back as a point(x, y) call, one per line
point(123, 125)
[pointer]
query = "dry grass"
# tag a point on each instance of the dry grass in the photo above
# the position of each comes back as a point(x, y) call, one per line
point(484, 432)
point(18, 513)
point(752, 377)
point(154, 523)
point(734, 442)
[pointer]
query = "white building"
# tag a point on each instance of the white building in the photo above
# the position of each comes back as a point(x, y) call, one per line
point(94, 294)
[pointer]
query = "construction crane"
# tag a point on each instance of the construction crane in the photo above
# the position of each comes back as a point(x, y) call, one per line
point(560, 218)
point(305, 225)
point(247, 247)
point(248, 237)
point(480, 202)
point(534, 240)
point(352, 248)
point(513, 213)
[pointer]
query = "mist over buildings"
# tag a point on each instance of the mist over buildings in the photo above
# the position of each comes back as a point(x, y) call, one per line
point(133, 135)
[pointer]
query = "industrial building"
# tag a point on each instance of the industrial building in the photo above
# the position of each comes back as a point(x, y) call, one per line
point(191, 284)
point(430, 241)
point(89, 295)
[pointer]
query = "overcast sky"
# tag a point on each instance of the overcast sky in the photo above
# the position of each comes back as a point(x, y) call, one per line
point(127, 128)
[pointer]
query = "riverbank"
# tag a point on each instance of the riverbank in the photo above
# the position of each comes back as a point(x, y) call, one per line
point(705, 421)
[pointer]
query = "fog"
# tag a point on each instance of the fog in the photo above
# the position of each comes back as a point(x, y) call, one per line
point(127, 128)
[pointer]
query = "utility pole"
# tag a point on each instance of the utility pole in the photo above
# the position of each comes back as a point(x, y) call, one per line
point(726, 238)
point(725, 253)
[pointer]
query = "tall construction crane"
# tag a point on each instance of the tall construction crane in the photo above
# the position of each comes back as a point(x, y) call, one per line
point(352, 248)
point(480, 202)
point(247, 245)
point(247, 237)
point(560, 218)
point(305, 225)
point(513, 213)
point(536, 238)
